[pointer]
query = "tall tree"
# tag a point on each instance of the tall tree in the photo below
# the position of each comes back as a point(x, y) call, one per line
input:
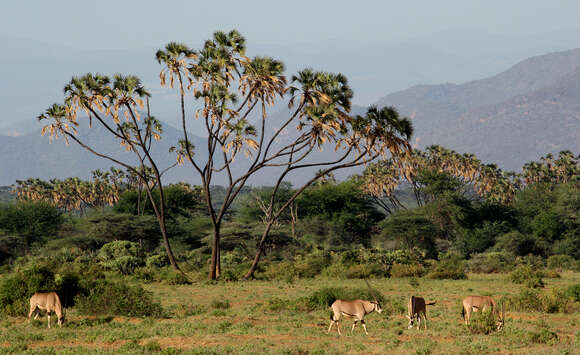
point(319, 101)
point(114, 105)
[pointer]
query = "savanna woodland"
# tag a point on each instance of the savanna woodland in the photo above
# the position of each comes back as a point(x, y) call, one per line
point(144, 266)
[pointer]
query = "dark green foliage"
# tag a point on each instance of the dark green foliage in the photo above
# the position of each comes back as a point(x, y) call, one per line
point(491, 262)
point(450, 266)
point(157, 261)
point(179, 201)
point(573, 292)
point(121, 256)
point(116, 298)
point(547, 214)
point(411, 229)
point(119, 226)
point(350, 214)
point(30, 220)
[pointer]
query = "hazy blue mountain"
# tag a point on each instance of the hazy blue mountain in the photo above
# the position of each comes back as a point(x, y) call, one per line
point(510, 118)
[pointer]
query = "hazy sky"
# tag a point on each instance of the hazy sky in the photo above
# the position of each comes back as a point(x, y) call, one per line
point(106, 24)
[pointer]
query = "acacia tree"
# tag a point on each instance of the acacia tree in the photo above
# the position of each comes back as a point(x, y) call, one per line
point(319, 103)
point(113, 104)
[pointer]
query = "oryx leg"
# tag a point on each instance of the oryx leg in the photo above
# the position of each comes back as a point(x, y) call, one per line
point(364, 326)
point(330, 327)
point(418, 321)
point(48, 314)
point(353, 325)
point(425, 315)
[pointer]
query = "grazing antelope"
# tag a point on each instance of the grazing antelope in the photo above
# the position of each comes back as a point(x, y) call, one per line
point(356, 309)
point(477, 303)
point(416, 307)
point(49, 302)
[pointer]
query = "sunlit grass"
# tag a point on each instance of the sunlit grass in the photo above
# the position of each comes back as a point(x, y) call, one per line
point(238, 317)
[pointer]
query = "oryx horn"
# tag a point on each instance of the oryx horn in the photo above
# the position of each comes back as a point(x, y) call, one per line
point(371, 290)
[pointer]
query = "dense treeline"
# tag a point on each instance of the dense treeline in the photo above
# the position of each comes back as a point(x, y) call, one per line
point(440, 213)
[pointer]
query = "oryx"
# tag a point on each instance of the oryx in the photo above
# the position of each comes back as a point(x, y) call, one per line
point(416, 307)
point(356, 309)
point(49, 302)
point(477, 303)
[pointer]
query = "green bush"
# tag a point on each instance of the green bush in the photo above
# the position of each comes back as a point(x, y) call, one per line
point(450, 266)
point(363, 271)
point(121, 256)
point(157, 261)
point(544, 335)
point(482, 322)
point(119, 248)
point(524, 274)
point(116, 298)
point(32, 220)
point(125, 265)
point(561, 262)
point(573, 292)
point(491, 262)
point(119, 226)
point(407, 270)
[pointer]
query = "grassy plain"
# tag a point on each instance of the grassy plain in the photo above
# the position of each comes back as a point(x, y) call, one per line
point(251, 318)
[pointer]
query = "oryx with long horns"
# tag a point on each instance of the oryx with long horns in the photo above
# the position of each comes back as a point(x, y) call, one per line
point(356, 309)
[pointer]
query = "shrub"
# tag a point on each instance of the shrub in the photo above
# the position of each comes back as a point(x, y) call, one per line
point(450, 266)
point(491, 262)
point(524, 274)
point(116, 298)
point(363, 271)
point(125, 265)
point(544, 335)
point(121, 256)
point(118, 248)
point(573, 292)
point(30, 219)
point(561, 262)
point(407, 270)
point(482, 322)
point(157, 261)
point(533, 261)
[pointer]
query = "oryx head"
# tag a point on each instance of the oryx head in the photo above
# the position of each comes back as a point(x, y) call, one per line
point(501, 318)
point(411, 320)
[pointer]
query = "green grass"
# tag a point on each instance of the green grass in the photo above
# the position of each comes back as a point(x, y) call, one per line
point(255, 321)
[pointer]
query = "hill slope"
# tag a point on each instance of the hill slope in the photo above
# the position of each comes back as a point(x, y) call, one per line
point(511, 118)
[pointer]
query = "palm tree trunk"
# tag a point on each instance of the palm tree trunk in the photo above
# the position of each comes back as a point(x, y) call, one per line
point(215, 255)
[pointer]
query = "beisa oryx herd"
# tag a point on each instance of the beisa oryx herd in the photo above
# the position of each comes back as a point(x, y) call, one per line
point(355, 309)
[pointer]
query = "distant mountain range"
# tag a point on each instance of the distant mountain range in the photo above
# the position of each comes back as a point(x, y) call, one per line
point(527, 111)
point(516, 116)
